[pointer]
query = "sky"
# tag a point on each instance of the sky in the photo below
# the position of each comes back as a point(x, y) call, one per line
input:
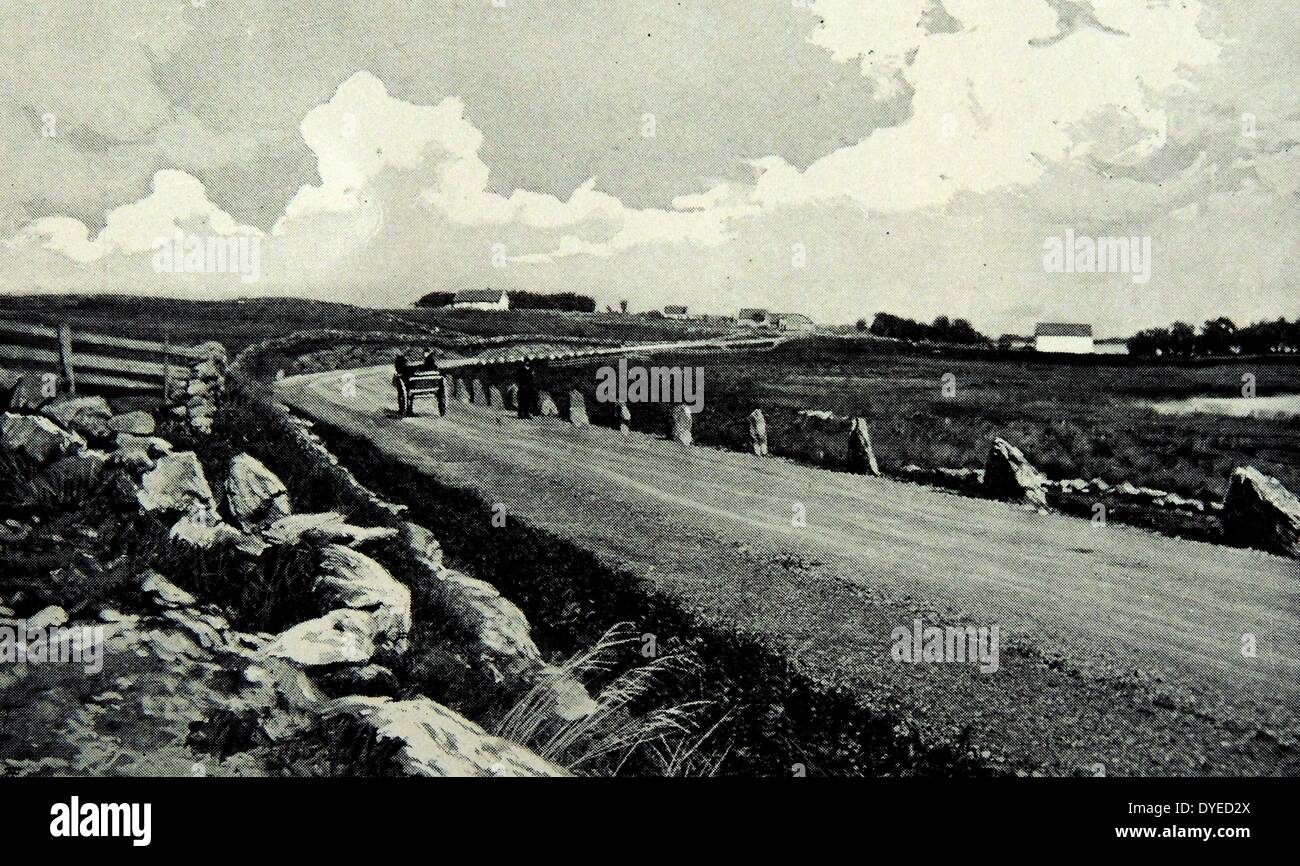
point(833, 157)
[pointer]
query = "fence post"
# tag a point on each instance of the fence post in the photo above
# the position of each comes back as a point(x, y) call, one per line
point(167, 368)
point(65, 356)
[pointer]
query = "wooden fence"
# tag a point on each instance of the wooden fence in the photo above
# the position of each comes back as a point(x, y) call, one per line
point(93, 362)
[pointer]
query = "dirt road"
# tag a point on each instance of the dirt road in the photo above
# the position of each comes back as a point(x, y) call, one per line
point(830, 563)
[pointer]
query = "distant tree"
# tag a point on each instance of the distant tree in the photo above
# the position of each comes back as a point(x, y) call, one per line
point(570, 301)
point(436, 299)
point(1218, 337)
point(622, 306)
point(862, 324)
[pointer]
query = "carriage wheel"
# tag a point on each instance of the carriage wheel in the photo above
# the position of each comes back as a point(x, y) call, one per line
point(403, 398)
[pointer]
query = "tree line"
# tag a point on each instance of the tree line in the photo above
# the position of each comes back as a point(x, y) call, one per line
point(941, 330)
point(1219, 336)
point(523, 300)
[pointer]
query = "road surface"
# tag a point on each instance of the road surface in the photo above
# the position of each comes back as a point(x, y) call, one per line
point(829, 563)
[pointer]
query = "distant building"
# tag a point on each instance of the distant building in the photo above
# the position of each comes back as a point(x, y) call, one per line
point(481, 299)
point(674, 311)
point(754, 318)
point(1066, 338)
point(794, 322)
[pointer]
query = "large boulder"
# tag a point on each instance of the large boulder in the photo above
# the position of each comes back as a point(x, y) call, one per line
point(353, 580)
point(1009, 476)
point(85, 415)
point(38, 437)
point(624, 419)
point(861, 456)
point(328, 526)
point(681, 420)
point(546, 406)
point(511, 396)
point(1259, 512)
point(133, 423)
point(495, 399)
point(338, 637)
point(757, 433)
point(476, 389)
point(255, 495)
point(176, 483)
point(578, 409)
point(435, 741)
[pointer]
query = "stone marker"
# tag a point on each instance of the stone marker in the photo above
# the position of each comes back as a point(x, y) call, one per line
point(1008, 475)
point(681, 424)
point(495, 400)
point(624, 419)
point(254, 494)
point(861, 456)
point(578, 409)
point(546, 406)
point(480, 396)
point(1258, 511)
point(511, 396)
point(758, 433)
point(462, 391)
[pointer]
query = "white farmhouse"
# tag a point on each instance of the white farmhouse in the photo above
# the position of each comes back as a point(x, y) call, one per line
point(481, 299)
point(1066, 338)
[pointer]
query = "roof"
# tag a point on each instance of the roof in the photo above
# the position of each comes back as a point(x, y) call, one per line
point(793, 317)
point(478, 296)
point(1062, 329)
point(674, 309)
point(752, 313)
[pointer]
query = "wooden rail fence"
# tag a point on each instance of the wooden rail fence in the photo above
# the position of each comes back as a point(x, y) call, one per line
point(93, 362)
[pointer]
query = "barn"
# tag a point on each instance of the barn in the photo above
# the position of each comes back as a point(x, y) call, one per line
point(1064, 337)
point(481, 299)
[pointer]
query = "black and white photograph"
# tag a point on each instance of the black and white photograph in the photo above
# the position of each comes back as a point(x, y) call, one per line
point(864, 397)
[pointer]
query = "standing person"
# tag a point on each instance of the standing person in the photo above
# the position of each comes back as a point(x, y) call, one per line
point(526, 380)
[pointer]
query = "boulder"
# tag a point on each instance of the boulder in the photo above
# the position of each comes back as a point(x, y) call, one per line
point(578, 409)
point(254, 494)
point(38, 437)
point(138, 454)
point(163, 593)
point(1009, 476)
point(758, 433)
point(511, 396)
point(861, 457)
point(681, 424)
point(1259, 512)
point(50, 617)
point(546, 406)
point(480, 396)
point(85, 415)
point(495, 398)
point(624, 419)
point(372, 680)
point(340, 636)
point(435, 741)
point(462, 392)
point(206, 529)
point(353, 580)
point(328, 526)
point(134, 423)
point(176, 483)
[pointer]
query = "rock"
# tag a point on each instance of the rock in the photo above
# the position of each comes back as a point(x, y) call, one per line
point(681, 419)
point(205, 530)
point(176, 483)
point(1126, 488)
point(758, 433)
point(325, 527)
point(861, 457)
point(480, 396)
point(197, 388)
point(1009, 476)
point(371, 680)
point(437, 742)
point(38, 437)
point(340, 636)
point(137, 454)
point(1259, 512)
point(163, 592)
point(462, 392)
point(624, 419)
point(546, 405)
point(134, 423)
point(495, 398)
point(511, 396)
point(822, 415)
point(85, 415)
point(356, 581)
point(50, 617)
point(254, 494)
point(578, 409)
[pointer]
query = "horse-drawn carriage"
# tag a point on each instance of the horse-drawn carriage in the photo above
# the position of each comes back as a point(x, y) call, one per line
point(418, 381)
